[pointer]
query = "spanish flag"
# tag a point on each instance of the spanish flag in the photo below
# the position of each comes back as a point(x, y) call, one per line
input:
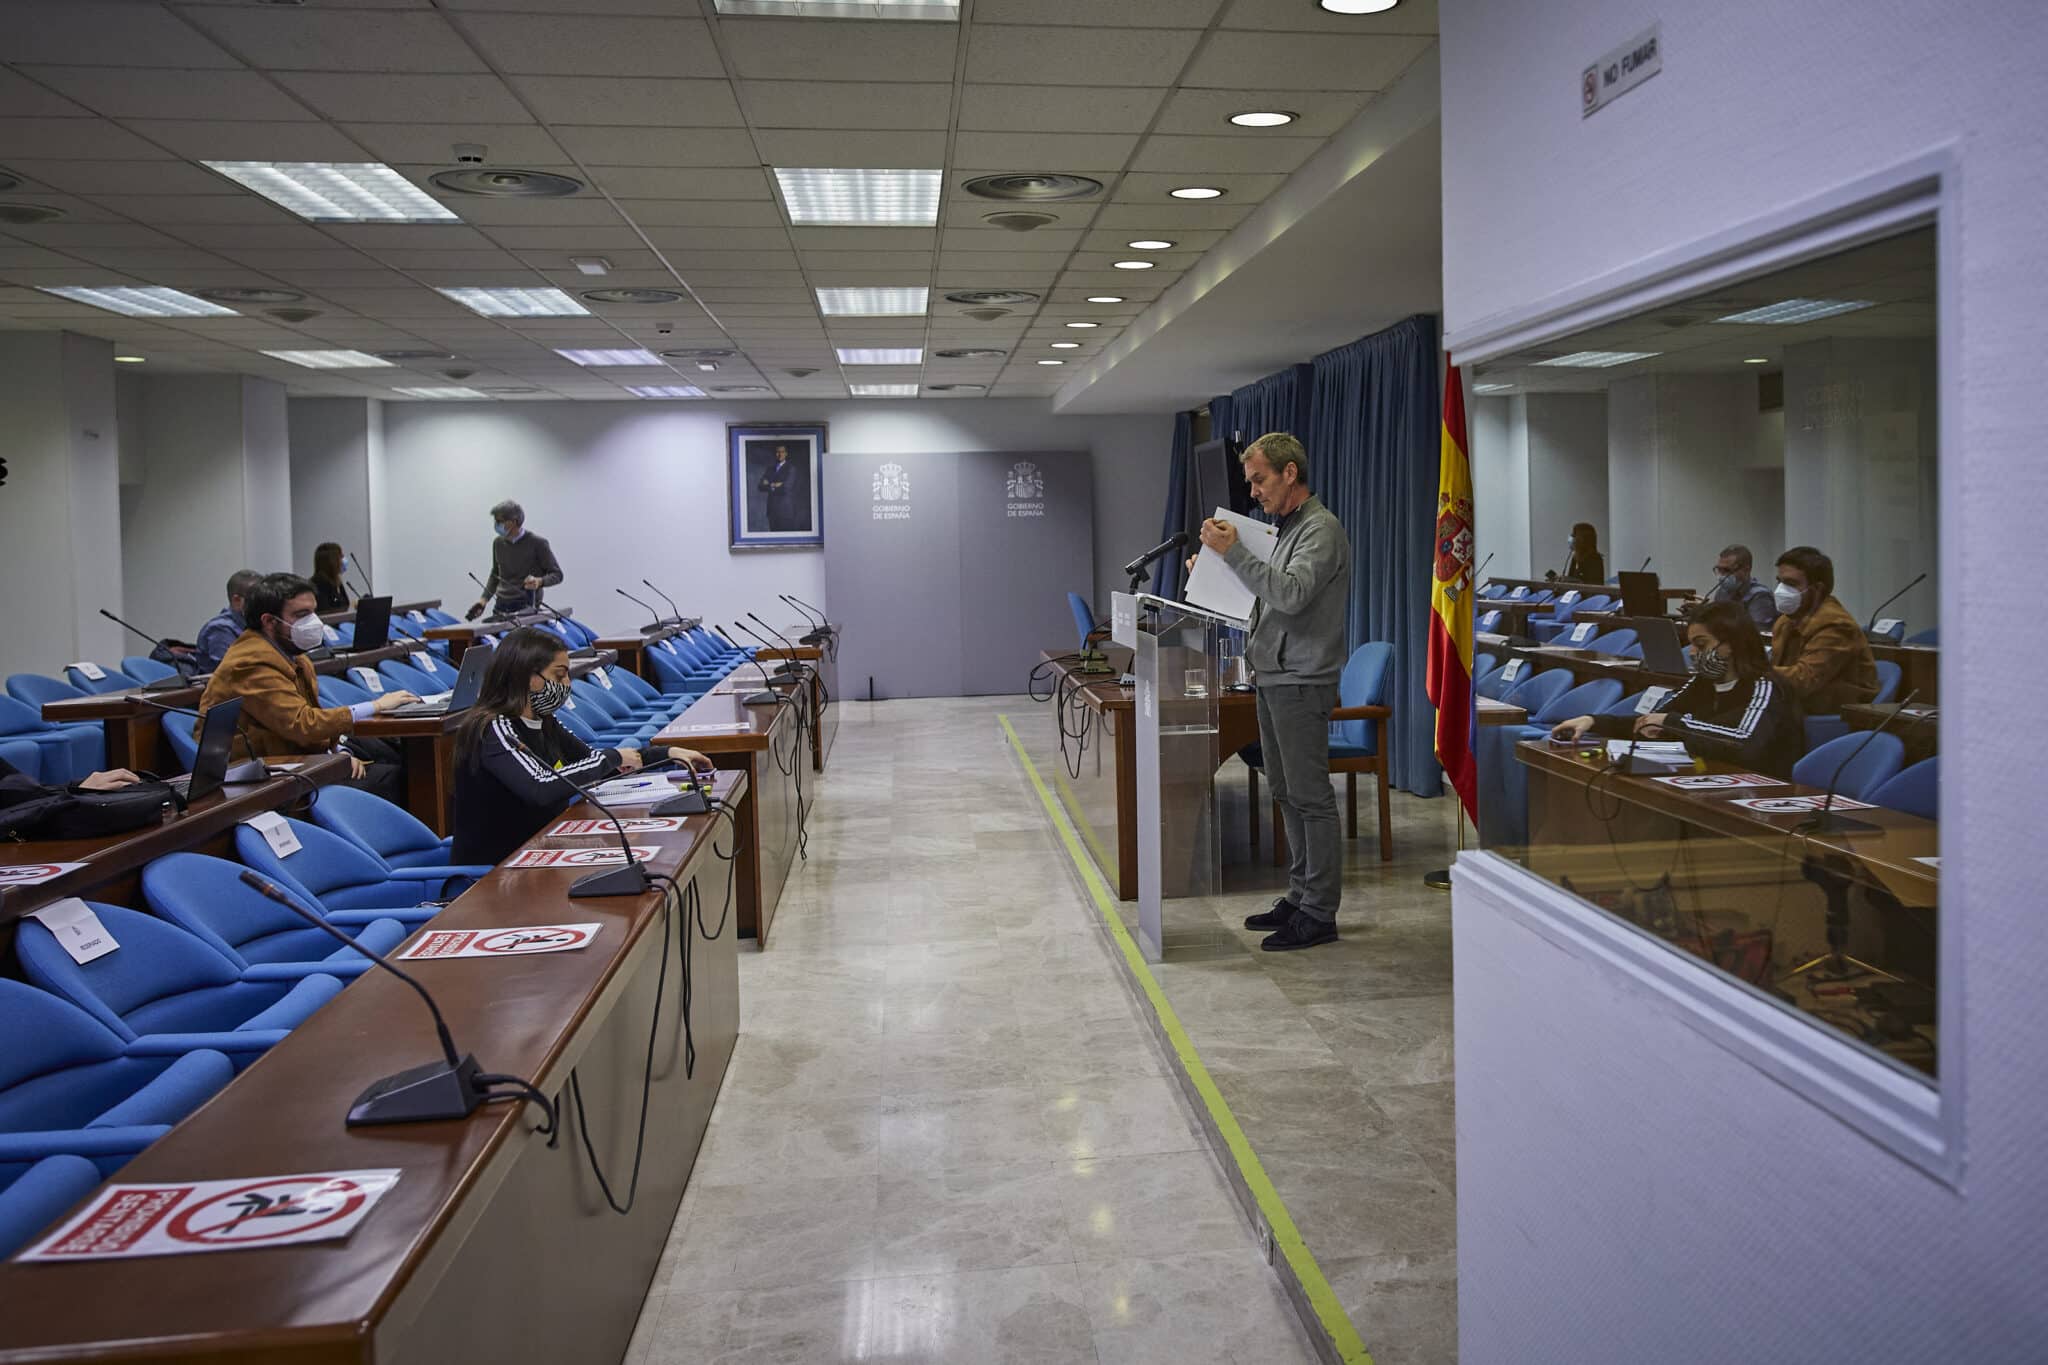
point(1449, 680)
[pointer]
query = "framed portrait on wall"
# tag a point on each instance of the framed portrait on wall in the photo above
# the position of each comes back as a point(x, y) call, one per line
point(774, 495)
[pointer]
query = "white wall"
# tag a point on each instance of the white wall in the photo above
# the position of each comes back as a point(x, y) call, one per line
point(1628, 1190)
point(330, 464)
point(1567, 440)
point(1499, 429)
point(631, 490)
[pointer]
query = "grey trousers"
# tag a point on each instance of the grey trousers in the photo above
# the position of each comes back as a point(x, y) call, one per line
point(1294, 736)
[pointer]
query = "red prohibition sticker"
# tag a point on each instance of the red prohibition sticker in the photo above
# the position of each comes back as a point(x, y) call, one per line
point(29, 874)
point(125, 1220)
point(512, 942)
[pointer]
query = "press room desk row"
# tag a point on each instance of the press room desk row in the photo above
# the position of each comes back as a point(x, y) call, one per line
point(1560, 585)
point(493, 1246)
point(425, 604)
point(823, 681)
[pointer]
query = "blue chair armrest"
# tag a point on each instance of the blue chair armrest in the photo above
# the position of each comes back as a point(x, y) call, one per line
point(242, 1047)
point(174, 1092)
point(440, 871)
point(299, 971)
point(86, 1142)
point(404, 914)
point(297, 1005)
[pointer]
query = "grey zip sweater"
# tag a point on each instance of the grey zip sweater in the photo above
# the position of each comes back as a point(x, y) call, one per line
point(1297, 626)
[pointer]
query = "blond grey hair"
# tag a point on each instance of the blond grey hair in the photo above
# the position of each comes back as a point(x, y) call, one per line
point(1280, 450)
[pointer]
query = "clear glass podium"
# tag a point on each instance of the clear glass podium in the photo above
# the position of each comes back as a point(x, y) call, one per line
point(1180, 667)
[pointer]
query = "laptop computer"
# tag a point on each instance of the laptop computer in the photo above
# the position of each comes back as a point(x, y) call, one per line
point(1663, 646)
point(468, 683)
point(1641, 594)
point(373, 624)
point(216, 747)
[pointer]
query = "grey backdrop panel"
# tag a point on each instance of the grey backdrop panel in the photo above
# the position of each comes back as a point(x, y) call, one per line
point(948, 585)
point(1020, 556)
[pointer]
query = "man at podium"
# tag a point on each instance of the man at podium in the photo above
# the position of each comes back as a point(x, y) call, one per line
point(1296, 652)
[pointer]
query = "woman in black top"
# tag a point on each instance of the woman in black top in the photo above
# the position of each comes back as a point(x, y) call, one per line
point(511, 754)
point(1731, 709)
point(1585, 564)
point(329, 592)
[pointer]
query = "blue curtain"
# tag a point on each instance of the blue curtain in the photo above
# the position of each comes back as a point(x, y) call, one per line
point(1372, 438)
point(1168, 571)
point(1279, 402)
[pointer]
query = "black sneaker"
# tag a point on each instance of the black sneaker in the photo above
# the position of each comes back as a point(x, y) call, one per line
point(1278, 917)
point(1303, 931)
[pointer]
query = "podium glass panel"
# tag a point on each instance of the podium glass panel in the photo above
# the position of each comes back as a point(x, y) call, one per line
point(1179, 683)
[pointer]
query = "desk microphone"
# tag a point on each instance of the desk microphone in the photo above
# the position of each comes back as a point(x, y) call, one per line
point(784, 668)
point(768, 697)
point(658, 622)
point(1481, 569)
point(1647, 561)
point(1867, 628)
point(630, 879)
point(174, 648)
point(824, 621)
point(1136, 568)
point(349, 562)
point(787, 643)
point(675, 612)
point(819, 628)
point(1826, 820)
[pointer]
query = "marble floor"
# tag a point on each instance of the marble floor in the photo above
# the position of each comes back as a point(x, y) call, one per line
point(947, 1133)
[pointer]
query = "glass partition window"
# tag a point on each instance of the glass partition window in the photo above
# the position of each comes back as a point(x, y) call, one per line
point(1709, 699)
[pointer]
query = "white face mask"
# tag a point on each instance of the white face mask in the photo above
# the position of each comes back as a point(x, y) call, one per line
point(1788, 599)
point(309, 631)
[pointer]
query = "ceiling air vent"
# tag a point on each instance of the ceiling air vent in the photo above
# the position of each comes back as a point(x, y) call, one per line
point(697, 353)
point(253, 294)
point(992, 296)
point(505, 184)
point(9, 181)
point(800, 374)
point(20, 215)
point(971, 353)
point(956, 388)
point(1019, 220)
point(400, 357)
point(293, 314)
point(739, 388)
point(631, 295)
point(985, 314)
point(1033, 187)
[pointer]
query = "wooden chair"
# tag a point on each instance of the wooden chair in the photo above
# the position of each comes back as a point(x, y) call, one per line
point(1358, 744)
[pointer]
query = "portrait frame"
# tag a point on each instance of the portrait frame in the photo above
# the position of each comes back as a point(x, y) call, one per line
point(764, 512)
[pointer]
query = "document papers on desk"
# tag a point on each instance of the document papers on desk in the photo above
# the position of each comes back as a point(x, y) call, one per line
point(1214, 585)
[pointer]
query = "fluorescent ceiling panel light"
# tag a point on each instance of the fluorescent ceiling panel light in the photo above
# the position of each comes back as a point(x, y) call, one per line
point(1492, 388)
point(516, 301)
point(1797, 310)
point(1052, 362)
point(828, 196)
point(1196, 192)
point(1262, 118)
point(339, 191)
point(1066, 345)
point(1357, 6)
point(907, 301)
point(442, 391)
point(664, 390)
point(1753, 360)
point(130, 359)
point(843, 9)
point(1597, 360)
point(140, 301)
point(1149, 244)
point(331, 360)
point(882, 390)
point(591, 265)
point(881, 355)
point(1135, 265)
point(1084, 324)
point(1105, 298)
point(646, 358)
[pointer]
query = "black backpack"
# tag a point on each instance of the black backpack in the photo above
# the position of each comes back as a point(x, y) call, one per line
point(30, 811)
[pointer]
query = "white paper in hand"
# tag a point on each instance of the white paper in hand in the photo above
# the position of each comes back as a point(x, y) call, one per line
point(1214, 585)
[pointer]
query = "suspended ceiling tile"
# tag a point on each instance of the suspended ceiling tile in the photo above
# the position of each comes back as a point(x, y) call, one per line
point(351, 97)
point(952, 263)
point(1317, 61)
point(505, 144)
point(232, 236)
point(1207, 155)
point(582, 210)
point(851, 147)
point(115, 32)
point(234, 141)
point(709, 213)
point(1030, 55)
point(656, 182)
point(863, 239)
point(781, 49)
point(659, 146)
point(124, 177)
point(1273, 16)
point(293, 38)
point(692, 261)
point(64, 235)
point(1166, 215)
point(914, 266)
point(1119, 13)
point(73, 139)
point(126, 93)
point(1100, 154)
point(339, 258)
point(1319, 113)
point(631, 101)
point(177, 209)
point(580, 241)
point(1057, 108)
point(847, 104)
point(24, 98)
point(583, 44)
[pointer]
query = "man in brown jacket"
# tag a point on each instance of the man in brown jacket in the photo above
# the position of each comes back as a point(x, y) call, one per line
point(1817, 648)
point(267, 668)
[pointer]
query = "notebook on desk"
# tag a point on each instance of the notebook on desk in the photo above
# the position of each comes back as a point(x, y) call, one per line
point(373, 624)
point(1641, 594)
point(216, 746)
point(469, 681)
point(1662, 650)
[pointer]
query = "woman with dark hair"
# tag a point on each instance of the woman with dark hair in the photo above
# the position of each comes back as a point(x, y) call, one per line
point(512, 755)
point(329, 592)
point(1585, 564)
point(1732, 708)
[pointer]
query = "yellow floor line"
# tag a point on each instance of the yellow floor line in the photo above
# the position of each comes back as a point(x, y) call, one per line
point(1286, 1237)
point(1079, 818)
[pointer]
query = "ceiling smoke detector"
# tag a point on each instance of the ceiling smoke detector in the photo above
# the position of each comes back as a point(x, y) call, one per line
point(250, 294)
point(630, 295)
point(506, 184)
point(21, 215)
point(992, 296)
point(971, 353)
point(1033, 187)
point(985, 314)
point(293, 314)
point(1019, 220)
point(697, 353)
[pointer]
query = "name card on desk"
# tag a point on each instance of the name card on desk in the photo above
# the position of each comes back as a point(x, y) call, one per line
point(417, 616)
point(371, 682)
point(1652, 698)
point(1519, 592)
point(1584, 631)
point(1700, 782)
point(604, 679)
point(422, 662)
point(729, 727)
point(333, 635)
point(1798, 805)
point(1512, 669)
point(89, 669)
point(1890, 625)
point(635, 824)
point(76, 928)
point(215, 1215)
point(276, 831)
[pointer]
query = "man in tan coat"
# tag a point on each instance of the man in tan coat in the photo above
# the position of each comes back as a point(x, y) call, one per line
point(1818, 649)
point(266, 667)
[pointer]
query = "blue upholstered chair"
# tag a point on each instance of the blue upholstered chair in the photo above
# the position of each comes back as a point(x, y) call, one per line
point(1357, 745)
point(36, 691)
point(24, 755)
point(111, 679)
point(207, 896)
point(387, 832)
point(1930, 636)
point(144, 669)
point(32, 1203)
point(403, 677)
point(351, 886)
point(1866, 770)
point(1916, 790)
point(1618, 642)
point(68, 752)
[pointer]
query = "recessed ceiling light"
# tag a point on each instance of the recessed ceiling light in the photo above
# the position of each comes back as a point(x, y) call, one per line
point(516, 302)
point(1492, 388)
point(1263, 118)
point(664, 390)
point(621, 357)
point(591, 265)
point(248, 294)
point(1752, 360)
point(908, 301)
point(338, 191)
point(1357, 6)
point(1105, 298)
point(331, 360)
point(991, 296)
point(1196, 192)
point(1797, 310)
point(881, 355)
point(1135, 265)
point(632, 295)
point(140, 301)
point(1597, 360)
point(1066, 345)
point(1052, 362)
point(1149, 244)
point(844, 9)
point(442, 391)
point(882, 390)
point(1084, 324)
point(130, 359)
point(708, 366)
point(825, 196)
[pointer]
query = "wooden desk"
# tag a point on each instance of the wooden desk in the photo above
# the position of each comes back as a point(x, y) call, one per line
point(1515, 615)
point(425, 604)
point(1563, 585)
point(632, 649)
point(466, 633)
point(822, 677)
point(762, 742)
point(112, 862)
point(492, 1246)
point(133, 718)
point(1111, 707)
point(1919, 665)
point(1919, 728)
point(1491, 712)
